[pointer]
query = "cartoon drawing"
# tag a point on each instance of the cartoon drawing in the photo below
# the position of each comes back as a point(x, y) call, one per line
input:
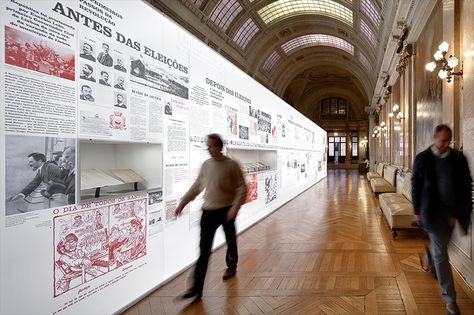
point(74, 264)
point(78, 222)
point(84, 249)
point(127, 240)
point(127, 246)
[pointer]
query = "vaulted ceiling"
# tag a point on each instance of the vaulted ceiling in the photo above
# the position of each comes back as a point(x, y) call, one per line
point(300, 49)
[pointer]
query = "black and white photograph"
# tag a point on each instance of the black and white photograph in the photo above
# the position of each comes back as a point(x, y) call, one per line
point(264, 122)
point(40, 172)
point(119, 64)
point(87, 72)
point(159, 78)
point(120, 83)
point(270, 188)
point(155, 197)
point(87, 50)
point(86, 93)
point(104, 57)
point(168, 109)
point(243, 132)
point(104, 78)
point(253, 112)
point(120, 100)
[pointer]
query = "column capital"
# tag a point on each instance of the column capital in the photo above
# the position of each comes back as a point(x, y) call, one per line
point(448, 4)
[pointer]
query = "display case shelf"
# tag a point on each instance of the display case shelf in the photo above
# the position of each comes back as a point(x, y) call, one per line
point(111, 169)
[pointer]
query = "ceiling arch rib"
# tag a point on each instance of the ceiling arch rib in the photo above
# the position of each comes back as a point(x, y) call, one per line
point(282, 9)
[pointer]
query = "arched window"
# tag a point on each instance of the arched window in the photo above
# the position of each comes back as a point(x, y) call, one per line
point(334, 108)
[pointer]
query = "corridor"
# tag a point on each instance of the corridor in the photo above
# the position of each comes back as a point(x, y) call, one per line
point(328, 251)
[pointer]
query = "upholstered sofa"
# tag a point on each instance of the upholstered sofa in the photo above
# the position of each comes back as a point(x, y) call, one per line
point(397, 207)
point(378, 173)
point(386, 183)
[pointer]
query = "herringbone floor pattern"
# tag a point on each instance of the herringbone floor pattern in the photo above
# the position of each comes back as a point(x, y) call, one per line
point(328, 251)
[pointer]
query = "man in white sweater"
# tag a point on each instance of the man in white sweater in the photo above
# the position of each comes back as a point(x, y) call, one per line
point(225, 194)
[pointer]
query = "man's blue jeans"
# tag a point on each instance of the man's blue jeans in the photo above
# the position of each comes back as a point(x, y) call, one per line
point(439, 236)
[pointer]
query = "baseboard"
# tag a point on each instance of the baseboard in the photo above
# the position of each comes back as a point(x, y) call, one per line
point(462, 282)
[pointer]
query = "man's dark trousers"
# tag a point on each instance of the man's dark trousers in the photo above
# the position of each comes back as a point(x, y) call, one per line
point(210, 221)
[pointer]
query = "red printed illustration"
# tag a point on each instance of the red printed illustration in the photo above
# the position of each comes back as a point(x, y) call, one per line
point(117, 121)
point(34, 53)
point(252, 187)
point(91, 243)
point(128, 229)
point(80, 248)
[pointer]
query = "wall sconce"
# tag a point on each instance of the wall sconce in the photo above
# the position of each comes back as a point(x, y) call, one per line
point(446, 66)
point(377, 132)
point(396, 112)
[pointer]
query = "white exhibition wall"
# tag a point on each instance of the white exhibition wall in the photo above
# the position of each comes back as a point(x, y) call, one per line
point(134, 96)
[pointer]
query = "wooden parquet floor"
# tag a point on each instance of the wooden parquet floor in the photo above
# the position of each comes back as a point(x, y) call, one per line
point(328, 251)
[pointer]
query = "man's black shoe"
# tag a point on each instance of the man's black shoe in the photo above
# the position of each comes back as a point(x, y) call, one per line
point(453, 309)
point(191, 294)
point(229, 273)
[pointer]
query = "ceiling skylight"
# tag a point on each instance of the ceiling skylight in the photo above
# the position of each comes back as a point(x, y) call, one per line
point(271, 61)
point(369, 9)
point(363, 59)
point(369, 34)
point(317, 40)
point(245, 33)
point(282, 9)
point(225, 12)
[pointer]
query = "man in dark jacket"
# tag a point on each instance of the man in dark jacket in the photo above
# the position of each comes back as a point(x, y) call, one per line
point(45, 173)
point(441, 192)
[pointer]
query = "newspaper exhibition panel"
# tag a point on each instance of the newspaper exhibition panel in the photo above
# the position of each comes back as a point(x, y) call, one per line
point(105, 112)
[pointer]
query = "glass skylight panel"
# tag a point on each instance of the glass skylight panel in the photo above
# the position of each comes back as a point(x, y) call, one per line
point(317, 40)
point(282, 9)
point(368, 8)
point(271, 61)
point(363, 59)
point(225, 12)
point(369, 34)
point(245, 33)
